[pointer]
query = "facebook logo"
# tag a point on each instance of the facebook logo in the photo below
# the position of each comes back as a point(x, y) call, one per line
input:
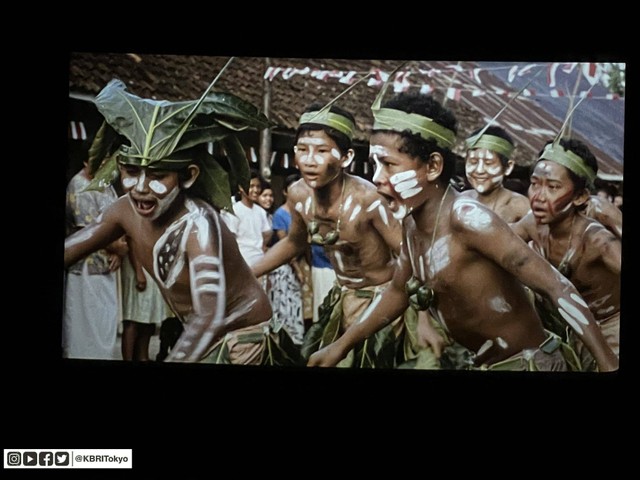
point(46, 459)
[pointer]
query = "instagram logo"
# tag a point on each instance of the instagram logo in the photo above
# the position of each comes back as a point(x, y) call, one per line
point(13, 458)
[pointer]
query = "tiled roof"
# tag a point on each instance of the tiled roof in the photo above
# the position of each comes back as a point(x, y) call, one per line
point(177, 77)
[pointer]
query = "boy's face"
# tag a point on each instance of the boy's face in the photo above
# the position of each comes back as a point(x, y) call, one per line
point(484, 170)
point(318, 158)
point(398, 176)
point(151, 191)
point(551, 191)
point(255, 188)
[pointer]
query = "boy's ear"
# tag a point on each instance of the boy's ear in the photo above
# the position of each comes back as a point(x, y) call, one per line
point(435, 165)
point(509, 169)
point(350, 156)
point(193, 172)
point(581, 197)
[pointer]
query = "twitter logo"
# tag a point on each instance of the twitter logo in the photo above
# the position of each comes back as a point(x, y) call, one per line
point(62, 458)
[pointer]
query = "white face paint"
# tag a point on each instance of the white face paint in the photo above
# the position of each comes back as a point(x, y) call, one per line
point(439, 255)
point(157, 187)
point(406, 184)
point(165, 203)
point(336, 154)
point(375, 152)
point(497, 179)
point(298, 207)
point(472, 215)
point(129, 182)
point(383, 215)
point(400, 213)
point(499, 304)
point(490, 157)
point(573, 311)
point(355, 213)
point(141, 180)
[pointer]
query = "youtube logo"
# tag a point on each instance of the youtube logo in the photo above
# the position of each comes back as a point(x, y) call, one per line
point(30, 459)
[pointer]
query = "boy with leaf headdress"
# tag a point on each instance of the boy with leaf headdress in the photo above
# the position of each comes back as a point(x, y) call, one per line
point(344, 214)
point(582, 249)
point(458, 258)
point(174, 188)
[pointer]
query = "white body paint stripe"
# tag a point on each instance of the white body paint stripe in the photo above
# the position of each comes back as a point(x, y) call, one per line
point(383, 215)
point(402, 176)
point(206, 259)
point(355, 213)
point(370, 309)
point(572, 310)
point(571, 321)
point(349, 279)
point(410, 193)
point(206, 275)
point(373, 206)
point(578, 299)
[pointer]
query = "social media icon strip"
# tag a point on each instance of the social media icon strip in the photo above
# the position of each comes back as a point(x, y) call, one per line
point(72, 458)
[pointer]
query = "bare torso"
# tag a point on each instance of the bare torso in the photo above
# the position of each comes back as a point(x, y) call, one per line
point(476, 299)
point(597, 281)
point(507, 204)
point(369, 233)
point(162, 252)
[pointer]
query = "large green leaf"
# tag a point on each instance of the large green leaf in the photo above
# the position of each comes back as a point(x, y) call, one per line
point(105, 175)
point(103, 145)
point(239, 172)
point(212, 185)
point(156, 128)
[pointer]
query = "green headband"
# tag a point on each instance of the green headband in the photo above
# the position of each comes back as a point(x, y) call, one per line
point(330, 119)
point(172, 162)
point(399, 121)
point(566, 158)
point(490, 142)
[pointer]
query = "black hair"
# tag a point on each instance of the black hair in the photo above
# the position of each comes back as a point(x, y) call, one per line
point(580, 149)
point(342, 141)
point(289, 179)
point(414, 144)
point(497, 132)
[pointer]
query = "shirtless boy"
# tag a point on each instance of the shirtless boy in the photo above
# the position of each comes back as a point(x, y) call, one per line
point(459, 258)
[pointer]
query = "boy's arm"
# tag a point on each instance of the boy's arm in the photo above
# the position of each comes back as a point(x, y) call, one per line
point(522, 227)
point(286, 249)
point(382, 311)
point(607, 214)
point(486, 233)
point(206, 324)
point(385, 223)
point(99, 234)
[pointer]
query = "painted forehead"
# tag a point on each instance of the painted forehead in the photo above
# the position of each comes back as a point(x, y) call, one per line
point(482, 154)
point(315, 137)
point(550, 169)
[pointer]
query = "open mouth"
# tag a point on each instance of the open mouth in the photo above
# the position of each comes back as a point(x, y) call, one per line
point(144, 207)
point(394, 205)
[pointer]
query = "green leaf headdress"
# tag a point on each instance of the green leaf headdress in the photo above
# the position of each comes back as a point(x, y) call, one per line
point(160, 134)
point(325, 116)
point(399, 121)
point(565, 157)
point(492, 142)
